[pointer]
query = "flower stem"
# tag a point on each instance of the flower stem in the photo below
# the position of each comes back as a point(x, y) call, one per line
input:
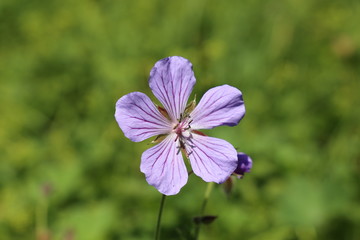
point(203, 206)
point(157, 233)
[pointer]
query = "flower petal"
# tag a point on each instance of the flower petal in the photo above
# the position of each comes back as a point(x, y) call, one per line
point(164, 166)
point(212, 159)
point(138, 117)
point(222, 105)
point(172, 80)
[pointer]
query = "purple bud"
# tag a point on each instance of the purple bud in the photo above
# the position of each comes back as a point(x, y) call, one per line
point(244, 164)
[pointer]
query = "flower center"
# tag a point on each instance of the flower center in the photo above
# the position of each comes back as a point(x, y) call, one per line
point(183, 133)
point(182, 128)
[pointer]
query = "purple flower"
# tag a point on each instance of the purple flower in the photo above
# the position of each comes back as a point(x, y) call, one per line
point(172, 80)
point(244, 164)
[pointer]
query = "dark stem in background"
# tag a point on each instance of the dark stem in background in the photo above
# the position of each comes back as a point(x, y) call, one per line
point(206, 197)
point(157, 233)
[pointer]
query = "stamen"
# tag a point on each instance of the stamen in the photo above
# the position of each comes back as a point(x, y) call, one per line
point(185, 153)
point(188, 154)
point(182, 145)
point(179, 149)
point(183, 134)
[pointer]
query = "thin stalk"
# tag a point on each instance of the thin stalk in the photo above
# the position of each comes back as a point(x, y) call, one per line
point(203, 206)
point(157, 233)
point(41, 219)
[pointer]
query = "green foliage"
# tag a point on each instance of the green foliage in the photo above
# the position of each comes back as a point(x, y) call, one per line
point(63, 65)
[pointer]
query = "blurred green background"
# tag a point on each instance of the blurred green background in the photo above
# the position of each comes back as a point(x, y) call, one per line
point(66, 166)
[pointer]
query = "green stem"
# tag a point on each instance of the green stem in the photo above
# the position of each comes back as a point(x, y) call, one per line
point(157, 233)
point(41, 219)
point(203, 206)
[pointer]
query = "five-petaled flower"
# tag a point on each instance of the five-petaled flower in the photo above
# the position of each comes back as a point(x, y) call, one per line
point(176, 124)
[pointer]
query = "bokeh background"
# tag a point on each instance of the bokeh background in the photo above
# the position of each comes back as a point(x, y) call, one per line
point(67, 171)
